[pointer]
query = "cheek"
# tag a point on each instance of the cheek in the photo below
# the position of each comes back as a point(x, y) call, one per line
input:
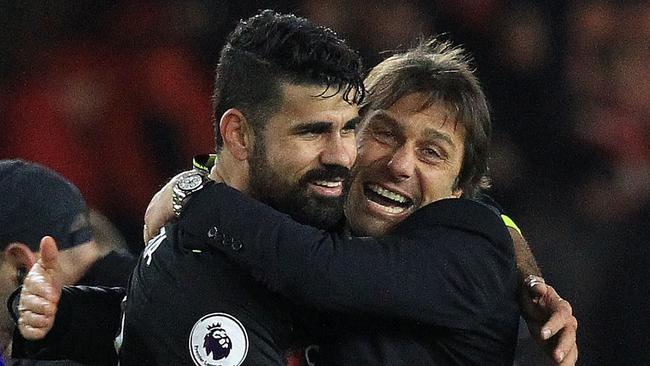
point(290, 168)
point(369, 152)
point(436, 186)
point(293, 157)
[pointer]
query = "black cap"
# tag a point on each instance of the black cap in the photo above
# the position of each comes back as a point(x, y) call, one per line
point(36, 201)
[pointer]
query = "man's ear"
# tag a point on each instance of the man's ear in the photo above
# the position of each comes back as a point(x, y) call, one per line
point(236, 133)
point(457, 192)
point(19, 256)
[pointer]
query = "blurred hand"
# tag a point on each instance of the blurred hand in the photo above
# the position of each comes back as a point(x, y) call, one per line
point(551, 322)
point(159, 211)
point(39, 297)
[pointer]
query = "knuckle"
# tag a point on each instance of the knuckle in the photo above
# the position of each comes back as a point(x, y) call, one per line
point(565, 311)
point(567, 306)
point(49, 308)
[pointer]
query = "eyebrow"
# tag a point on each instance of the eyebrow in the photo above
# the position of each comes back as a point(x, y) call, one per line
point(432, 134)
point(322, 126)
point(429, 133)
point(312, 126)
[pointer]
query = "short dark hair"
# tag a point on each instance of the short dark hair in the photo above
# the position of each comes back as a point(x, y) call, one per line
point(444, 72)
point(270, 48)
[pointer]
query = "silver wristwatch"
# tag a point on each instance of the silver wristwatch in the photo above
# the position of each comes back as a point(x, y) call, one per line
point(186, 184)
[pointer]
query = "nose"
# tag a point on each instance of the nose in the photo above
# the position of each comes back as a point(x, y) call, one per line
point(402, 164)
point(339, 151)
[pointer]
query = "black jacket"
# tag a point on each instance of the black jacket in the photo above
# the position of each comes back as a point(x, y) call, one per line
point(187, 303)
point(439, 290)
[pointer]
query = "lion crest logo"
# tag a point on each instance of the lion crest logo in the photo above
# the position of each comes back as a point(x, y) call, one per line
point(218, 339)
point(217, 342)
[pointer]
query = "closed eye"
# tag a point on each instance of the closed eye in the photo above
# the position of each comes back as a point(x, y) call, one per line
point(385, 136)
point(384, 129)
point(431, 155)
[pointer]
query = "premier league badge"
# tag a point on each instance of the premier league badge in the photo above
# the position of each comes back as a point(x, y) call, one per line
point(218, 339)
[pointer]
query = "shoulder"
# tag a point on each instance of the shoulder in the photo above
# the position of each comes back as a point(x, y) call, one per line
point(113, 269)
point(458, 214)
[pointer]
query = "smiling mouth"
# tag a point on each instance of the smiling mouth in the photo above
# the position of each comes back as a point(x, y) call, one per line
point(328, 183)
point(328, 188)
point(389, 201)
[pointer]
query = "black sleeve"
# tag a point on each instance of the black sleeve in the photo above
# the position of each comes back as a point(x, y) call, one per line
point(448, 264)
point(87, 321)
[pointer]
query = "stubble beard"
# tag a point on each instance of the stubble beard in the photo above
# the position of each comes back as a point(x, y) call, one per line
point(293, 198)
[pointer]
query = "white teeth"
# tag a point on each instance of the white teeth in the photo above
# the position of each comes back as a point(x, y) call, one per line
point(328, 184)
point(388, 194)
point(394, 210)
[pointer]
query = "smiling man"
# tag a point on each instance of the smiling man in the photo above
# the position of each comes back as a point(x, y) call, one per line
point(285, 93)
point(304, 157)
point(390, 185)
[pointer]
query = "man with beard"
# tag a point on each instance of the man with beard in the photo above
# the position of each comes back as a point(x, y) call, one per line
point(285, 91)
point(198, 238)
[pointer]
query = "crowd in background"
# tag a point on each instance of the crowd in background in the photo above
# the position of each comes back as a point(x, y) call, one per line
point(115, 96)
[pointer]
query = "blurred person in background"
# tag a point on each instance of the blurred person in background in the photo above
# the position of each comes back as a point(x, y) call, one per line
point(609, 78)
point(108, 237)
point(36, 202)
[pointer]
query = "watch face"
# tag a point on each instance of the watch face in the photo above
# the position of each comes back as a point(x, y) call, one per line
point(190, 182)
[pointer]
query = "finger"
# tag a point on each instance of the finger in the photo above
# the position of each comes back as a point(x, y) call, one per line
point(37, 304)
point(533, 312)
point(153, 231)
point(35, 320)
point(158, 211)
point(145, 234)
point(49, 253)
point(562, 316)
point(566, 341)
point(40, 285)
point(536, 286)
point(31, 333)
point(571, 358)
point(537, 290)
point(150, 213)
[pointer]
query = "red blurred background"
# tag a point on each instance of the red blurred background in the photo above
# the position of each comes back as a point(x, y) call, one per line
point(116, 97)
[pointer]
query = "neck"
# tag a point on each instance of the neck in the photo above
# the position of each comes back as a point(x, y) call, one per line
point(230, 171)
point(75, 262)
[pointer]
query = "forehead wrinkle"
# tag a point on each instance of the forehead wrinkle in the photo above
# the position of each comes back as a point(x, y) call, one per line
point(382, 114)
point(429, 133)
